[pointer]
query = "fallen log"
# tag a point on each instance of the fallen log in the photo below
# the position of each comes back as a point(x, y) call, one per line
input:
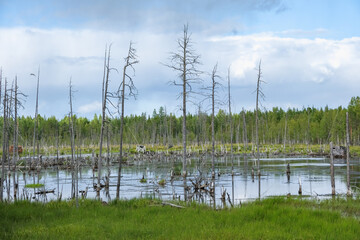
point(46, 191)
point(172, 205)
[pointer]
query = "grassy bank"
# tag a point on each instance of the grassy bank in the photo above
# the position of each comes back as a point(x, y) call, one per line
point(277, 218)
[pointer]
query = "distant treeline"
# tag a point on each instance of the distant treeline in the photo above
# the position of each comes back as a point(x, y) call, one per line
point(307, 125)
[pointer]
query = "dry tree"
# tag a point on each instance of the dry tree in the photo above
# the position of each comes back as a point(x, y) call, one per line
point(36, 117)
point(259, 94)
point(106, 98)
point(127, 83)
point(231, 124)
point(4, 140)
point(75, 165)
point(185, 62)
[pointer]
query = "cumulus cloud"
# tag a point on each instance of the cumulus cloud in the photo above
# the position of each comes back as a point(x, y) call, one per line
point(299, 71)
point(90, 108)
point(291, 59)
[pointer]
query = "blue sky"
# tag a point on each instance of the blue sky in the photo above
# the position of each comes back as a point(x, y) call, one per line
point(309, 49)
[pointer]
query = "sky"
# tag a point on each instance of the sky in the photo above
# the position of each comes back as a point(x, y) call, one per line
point(309, 51)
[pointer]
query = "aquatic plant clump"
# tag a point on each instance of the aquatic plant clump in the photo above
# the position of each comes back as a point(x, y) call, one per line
point(36, 185)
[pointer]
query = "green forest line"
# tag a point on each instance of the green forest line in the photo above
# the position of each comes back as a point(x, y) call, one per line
point(277, 126)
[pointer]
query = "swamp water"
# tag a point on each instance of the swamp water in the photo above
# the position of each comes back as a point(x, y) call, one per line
point(314, 174)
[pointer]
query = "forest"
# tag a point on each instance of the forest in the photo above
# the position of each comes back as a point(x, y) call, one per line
point(276, 126)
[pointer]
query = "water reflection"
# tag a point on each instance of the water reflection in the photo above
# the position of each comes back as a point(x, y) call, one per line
point(276, 179)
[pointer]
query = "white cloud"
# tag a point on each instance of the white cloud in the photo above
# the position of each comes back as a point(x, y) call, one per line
point(90, 108)
point(309, 64)
point(291, 59)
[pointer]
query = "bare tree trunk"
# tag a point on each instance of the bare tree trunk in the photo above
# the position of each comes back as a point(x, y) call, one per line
point(213, 133)
point(170, 139)
point(332, 169)
point(308, 133)
point(105, 85)
point(198, 126)
point(107, 146)
point(9, 113)
point(349, 193)
point(36, 117)
point(184, 105)
point(165, 132)
point(185, 62)
point(57, 144)
point(231, 130)
point(213, 87)
point(245, 141)
point(258, 91)
point(130, 60)
point(121, 133)
point(285, 131)
point(15, 140)
point(4, 143)
point(74, 188)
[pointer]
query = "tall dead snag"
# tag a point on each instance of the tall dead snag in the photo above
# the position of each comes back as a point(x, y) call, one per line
point(36, 117)
point(349, 193)
point(285, 132)
point(127, 82)
point(9, 114)
point(105, 99)
point(15, 138)
point(308, 130)
point(2, 159)
point(214, 85)
point(332, 175)
point(261, 94)
point(74, 185)
point(185, 61)
point(4, 134)
point(245, 141)
point(231, 126)
point(17, 103)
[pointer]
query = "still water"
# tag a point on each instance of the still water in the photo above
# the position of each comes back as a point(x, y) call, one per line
point(313, 173)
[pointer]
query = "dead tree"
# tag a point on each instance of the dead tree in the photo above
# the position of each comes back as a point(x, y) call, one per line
point(185, 61)
point(17, 104)
point(57, 143)
point(285, 130)
point(105, 99)
point(245, 141)
point(214, 86)
point(107, 144)
point(231, 125)
point(2, 177)
point(9, 114)
point(260, 94)
point(127, 82)
point(332, 175)
point(4, 140)
point(165, 128)
point(74, 187)
point(349, 193)
point(36, 116)
point(15, 137)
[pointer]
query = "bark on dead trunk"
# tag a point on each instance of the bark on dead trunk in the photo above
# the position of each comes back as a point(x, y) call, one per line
point(332, 169)
point(349, 193)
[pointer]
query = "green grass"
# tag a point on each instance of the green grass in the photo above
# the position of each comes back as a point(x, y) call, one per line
point(276, 218)
point(35, 185)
